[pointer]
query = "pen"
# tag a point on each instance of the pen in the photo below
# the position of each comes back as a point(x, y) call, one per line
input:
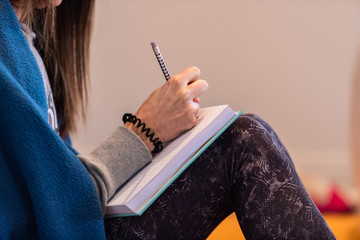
point(160, 60)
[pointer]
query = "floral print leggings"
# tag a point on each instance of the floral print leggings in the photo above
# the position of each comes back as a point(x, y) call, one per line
point(247, 170)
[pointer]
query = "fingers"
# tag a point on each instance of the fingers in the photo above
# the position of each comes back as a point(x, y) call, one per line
point(187, 76)
point(196, 109)
point(193, 114)
point(197, 100)
point(188, 82)
point(197, 88)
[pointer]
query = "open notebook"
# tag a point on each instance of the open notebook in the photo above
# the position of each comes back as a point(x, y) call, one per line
point(136, 195)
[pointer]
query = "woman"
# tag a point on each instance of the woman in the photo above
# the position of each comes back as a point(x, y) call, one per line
point(50, 192)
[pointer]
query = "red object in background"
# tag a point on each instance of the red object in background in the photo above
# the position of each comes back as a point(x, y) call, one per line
point(336, 202)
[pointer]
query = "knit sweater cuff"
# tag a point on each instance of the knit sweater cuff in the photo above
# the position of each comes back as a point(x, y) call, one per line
point(117, 159)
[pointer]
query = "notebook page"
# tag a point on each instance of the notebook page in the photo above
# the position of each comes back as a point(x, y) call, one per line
point(163, 159)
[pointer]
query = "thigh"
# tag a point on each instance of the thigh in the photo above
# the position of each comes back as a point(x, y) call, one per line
point(268, 197)
point(191, 207)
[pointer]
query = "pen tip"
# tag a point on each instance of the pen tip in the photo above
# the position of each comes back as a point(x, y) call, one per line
point(153, 44)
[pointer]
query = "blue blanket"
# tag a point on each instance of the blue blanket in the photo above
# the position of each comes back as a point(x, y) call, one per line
point(45, 191)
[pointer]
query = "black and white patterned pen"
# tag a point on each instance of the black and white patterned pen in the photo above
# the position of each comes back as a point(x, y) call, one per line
point(160, 60)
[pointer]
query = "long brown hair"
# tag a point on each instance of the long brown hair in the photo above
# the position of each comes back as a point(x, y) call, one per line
point(63, 39)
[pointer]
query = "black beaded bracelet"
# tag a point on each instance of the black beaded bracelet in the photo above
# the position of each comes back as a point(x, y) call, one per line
point(128, 117)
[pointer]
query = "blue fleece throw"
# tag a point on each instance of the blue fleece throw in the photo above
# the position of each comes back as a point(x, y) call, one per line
point(45, 191)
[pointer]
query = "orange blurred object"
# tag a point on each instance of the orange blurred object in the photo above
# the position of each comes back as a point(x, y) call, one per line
point(344, 226)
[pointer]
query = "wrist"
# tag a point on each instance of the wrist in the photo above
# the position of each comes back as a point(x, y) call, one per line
point(136, 125)
point(141, 135)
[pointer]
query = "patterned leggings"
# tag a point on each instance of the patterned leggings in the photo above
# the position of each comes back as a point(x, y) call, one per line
point(247, 170)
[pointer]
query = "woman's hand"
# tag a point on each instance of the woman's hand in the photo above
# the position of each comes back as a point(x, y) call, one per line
point(172, 108)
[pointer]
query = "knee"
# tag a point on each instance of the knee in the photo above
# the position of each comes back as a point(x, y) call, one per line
point(257, 125)
point(255, 119)
point(251, 123)
point(257, 137)
point(251, 129)
point(247, 132)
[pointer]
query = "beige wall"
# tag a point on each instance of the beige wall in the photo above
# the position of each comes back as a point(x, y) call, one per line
point(291, 62)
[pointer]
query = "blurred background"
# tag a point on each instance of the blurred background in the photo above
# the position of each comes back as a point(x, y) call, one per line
point(294, 63)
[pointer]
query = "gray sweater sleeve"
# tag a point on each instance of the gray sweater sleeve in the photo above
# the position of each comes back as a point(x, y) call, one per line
point(113, 162)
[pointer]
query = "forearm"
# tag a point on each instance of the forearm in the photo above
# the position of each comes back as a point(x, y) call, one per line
point(116, 159)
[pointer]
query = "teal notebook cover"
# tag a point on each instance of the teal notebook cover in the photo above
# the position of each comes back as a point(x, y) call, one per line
point(177, 174)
